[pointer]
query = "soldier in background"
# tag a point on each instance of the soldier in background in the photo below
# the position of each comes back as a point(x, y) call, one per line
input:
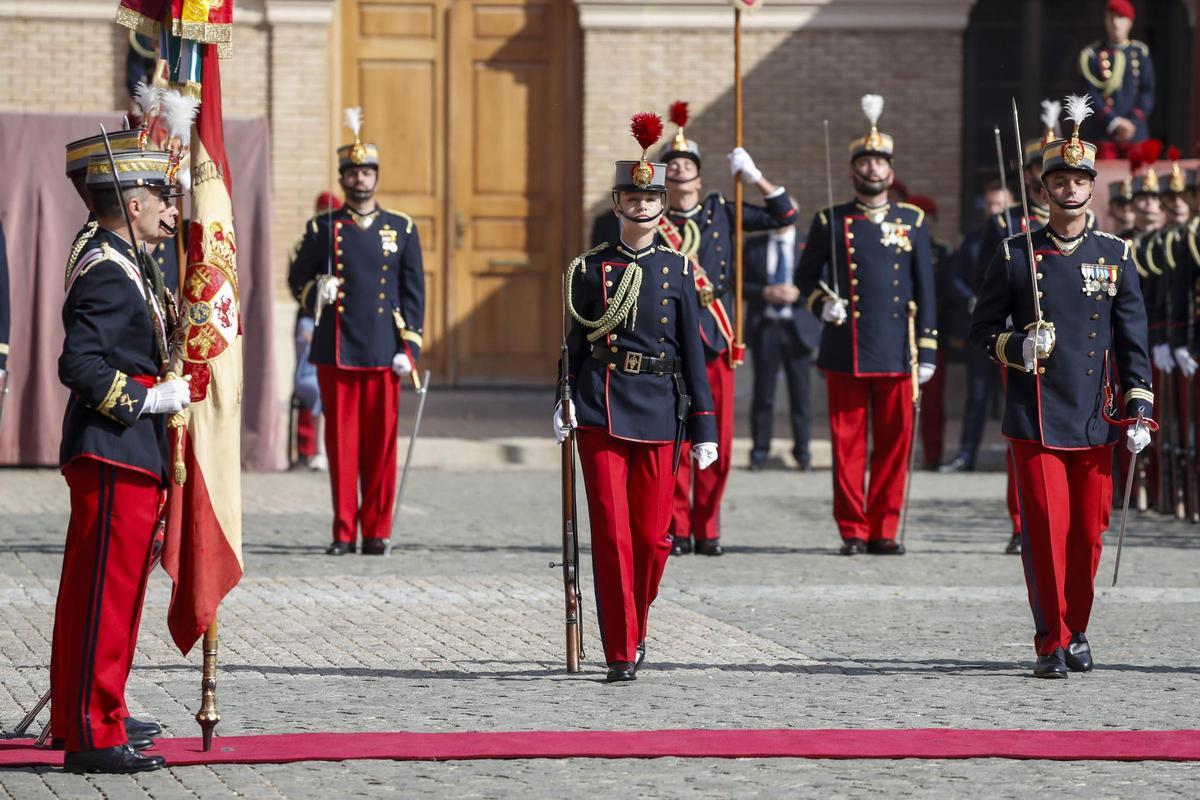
point(1120, 76)
point(359, 272)
point(883, 273)
point(701, 227)
point(1120, 204)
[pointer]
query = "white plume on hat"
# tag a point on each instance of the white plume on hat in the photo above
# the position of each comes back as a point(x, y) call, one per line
point(146, 97)
point(1079, 108)
point(872, 106)
point(354, 119)
point(1051, 111)
point(180, 112)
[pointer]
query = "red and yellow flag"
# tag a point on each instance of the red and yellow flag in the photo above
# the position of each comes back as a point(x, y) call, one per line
point(203, 549)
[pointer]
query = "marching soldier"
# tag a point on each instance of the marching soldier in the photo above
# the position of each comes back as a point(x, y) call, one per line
point(1120, 204)
point(114, 457)
point(1061, 438)
point(359, 272)
point(701, 227)
point(1120, 76)
point(636, 363)
point(865, 289)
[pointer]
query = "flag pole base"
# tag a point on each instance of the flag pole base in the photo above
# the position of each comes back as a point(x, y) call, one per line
point(208, 716)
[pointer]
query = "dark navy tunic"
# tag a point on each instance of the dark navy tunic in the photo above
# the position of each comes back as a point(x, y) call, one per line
point(1121, 84)
point(1060, 407)
point(112, 335)
point(5, 310)
point(381, 302)
point(1183, 242)
point(707, 232)
point(639, 406)
point(881, 267)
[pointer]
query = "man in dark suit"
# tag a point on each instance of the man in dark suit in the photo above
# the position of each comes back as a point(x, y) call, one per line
point(780, 331)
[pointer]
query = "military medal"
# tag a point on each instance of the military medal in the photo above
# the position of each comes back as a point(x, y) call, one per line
point(1099, 278)
point(896, 234)
point(387, 240)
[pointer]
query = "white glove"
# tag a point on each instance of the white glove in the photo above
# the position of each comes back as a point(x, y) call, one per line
point(167, 397)
point(1044, 339)
point(1160, 354)
point(1137, 438)
point(1185, 361)
point(3, 372)
point(834, 311)
point(401, 365)
point(925, 372)
point(327, 286)
point(560, 430)
point(704, 454)
point(740, 161)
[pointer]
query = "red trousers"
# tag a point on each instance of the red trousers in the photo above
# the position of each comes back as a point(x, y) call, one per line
point(360, 408)
point(887, 402)
point(105, 566)
point(698, 493)
point(1011, 494)
point(933, 413)
point(629, 488)
point(1066, 498)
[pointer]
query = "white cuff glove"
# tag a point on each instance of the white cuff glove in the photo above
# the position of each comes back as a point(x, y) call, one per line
point(1182, 357)
point(704, 454)
point(401, 365)
point(167, 397)
point(740, 161)
point(327, 287)
point(560, 430)
point(1163, 360)
point(833, 311)
point(1137, 438)
point(1044, 339)
point(925, 372)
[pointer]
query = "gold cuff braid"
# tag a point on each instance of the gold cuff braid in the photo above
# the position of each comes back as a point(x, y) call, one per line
point(1001, 345)
point(114, 392)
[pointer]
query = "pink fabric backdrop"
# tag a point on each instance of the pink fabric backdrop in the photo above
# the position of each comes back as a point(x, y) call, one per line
point(41, 213)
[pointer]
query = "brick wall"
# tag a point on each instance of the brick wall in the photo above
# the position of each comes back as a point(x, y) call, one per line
point(34, 54)
point(792, 81)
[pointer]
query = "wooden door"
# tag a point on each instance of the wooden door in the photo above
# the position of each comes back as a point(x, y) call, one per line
point(510, 187)
point(474, 104)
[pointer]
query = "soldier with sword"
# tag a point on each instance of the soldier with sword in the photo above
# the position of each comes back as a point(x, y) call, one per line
point(1073, 296)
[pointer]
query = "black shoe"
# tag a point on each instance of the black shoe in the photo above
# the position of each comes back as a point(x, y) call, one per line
point(804, 464)
point(709, 547)
point(339, 549)
point(1078, 655)
point(680, 547)
point(757, 466)
point(853, 547)
point(374, 547)
point(137, 727)
point(957, 464)
point(885, 547)
point(1051, 666)
point(1013, 548)
point(641, 655)
point(621, 671)
point(119, 760)
point(138, 742)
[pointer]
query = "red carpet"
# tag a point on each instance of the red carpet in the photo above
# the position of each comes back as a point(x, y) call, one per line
point(1179, 745)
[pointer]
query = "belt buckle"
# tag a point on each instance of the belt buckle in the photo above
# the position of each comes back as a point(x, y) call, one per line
point(633, 363)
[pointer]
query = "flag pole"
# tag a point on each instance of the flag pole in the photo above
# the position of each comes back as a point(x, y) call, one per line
point(208, 716)
point(738, 342)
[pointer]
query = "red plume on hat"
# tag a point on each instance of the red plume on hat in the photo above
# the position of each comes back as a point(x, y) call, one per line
point(1151, 151)
point(647, 128)
point(1137, 157)
point(679, 113)
point(1122, 8)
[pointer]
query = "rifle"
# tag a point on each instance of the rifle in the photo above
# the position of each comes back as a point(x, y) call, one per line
point(570, 515)
point(1167, 479)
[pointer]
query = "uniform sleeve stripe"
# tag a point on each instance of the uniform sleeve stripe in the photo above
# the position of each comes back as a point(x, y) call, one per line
point(1140, 394)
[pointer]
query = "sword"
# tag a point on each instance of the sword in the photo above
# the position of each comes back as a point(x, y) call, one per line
point(422, 387)
point(916, 424)
point(1125, 507)
point(1038, 322)
point(833, 273)
point(1003, 178)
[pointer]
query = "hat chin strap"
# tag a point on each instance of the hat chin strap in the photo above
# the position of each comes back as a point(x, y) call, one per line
point(639, 220)
point(1071, 206)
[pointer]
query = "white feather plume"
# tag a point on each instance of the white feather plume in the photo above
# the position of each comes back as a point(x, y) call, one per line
point(180, 112)
point(1079, 108)
point(872, 106)
point(354, 118)
point(146, 97)
point(1051, 111)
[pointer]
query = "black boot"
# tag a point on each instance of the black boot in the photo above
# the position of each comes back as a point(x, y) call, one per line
point(621, 671)
point(137, 727)
point(709, 547)
point(681, 546)
point(885, 547)
point(1014, 545)
point(853, 547)
point(1079, 654)
point(119, 760)
point(1053, 665)
point(339, 548)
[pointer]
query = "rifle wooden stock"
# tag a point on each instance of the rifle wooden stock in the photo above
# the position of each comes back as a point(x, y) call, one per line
point(570, 536)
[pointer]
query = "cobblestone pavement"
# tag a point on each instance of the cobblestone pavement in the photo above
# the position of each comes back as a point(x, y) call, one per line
point(460, 630)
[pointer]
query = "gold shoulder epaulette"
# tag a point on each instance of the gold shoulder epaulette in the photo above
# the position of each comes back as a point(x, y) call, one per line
point(1115, 238)
point(826, 214)
point(670, 250)
point(578, 260)
point(918, 209)
point(407, 219)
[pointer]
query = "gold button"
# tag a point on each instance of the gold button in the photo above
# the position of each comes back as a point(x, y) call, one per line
point(666, 286)
point(1092, 335)
point(666, 270)
point(339, 251)
point(662, 355)
point(1039, 294)
point(380, 309)
point(896, 282)
point(851, 249)
point(849, 235)
point(854, 297)
point(612, 366)
point(664, 301)
point(895, 267)
point(854, 281)
point(895, 299)
point(1038, 257)
point(1091, 372)
point(1100, 260)
point(1040, 276)
point(608, 267)
point(339, 238)
point(1099, 297)
point(1095, 316)
point(857, 314)
point(608, 283)
point(385, 267)
point(382, 296)
point(895, 316)
point(341, 309)
point(661, 340)
point(1091, 354)
point(383, 281)
point(663, 320)
point(716, 234)
point(613, 349)
point(341, 294)
point(1041, 370)
point(853, 267)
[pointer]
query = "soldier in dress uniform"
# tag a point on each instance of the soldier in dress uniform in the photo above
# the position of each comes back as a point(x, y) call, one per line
point(883, 274)
point(1120, 76)
point(359, 272)
point(701, 227)
point(114, 458)
point(1120, 204)
point(1055, 415)
point(635, 358)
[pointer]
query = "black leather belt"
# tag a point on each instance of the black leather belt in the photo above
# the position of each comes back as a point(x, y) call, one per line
point(635, 363)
